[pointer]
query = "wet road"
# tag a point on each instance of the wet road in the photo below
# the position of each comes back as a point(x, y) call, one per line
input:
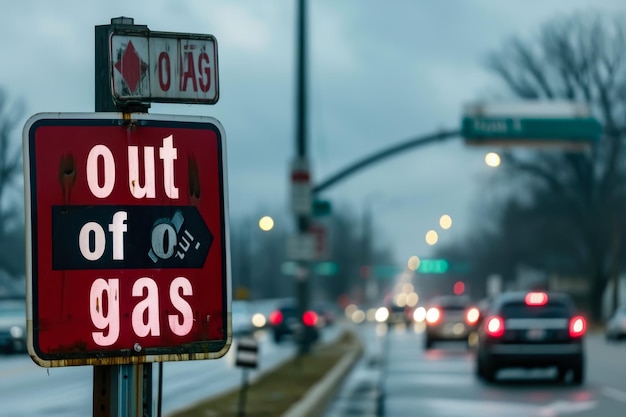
point(396, 377)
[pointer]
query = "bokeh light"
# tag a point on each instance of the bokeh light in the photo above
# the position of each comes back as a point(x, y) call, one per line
point(445, 222)
point(259, 320)
point(432, 237)
point(266, 223)
point(358, 316)
point(382, 314)
point(350, 309)
point(492, 159)
point(414, 263)
point(412, 299)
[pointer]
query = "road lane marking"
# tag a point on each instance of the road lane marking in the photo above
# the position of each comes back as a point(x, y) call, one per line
point(614, 394)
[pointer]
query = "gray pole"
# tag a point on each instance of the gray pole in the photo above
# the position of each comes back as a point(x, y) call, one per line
point(302, 221)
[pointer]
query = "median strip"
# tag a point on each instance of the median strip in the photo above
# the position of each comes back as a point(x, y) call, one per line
point(300, 387)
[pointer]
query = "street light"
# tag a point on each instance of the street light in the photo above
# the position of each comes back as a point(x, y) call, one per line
point(492, 159)
point(266, 223)
point(432, 237)
point(445, 222)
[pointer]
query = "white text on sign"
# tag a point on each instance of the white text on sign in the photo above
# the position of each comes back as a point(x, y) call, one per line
point(167, 153)
point(145, 315)
point(92, 243)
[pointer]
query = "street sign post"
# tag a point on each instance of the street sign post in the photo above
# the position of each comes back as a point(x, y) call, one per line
point(127, 229)
point(135, 66)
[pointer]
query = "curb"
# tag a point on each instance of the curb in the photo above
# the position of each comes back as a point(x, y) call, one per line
point(317, 398)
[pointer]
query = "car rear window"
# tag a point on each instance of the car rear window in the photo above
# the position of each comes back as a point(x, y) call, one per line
point(520, 310)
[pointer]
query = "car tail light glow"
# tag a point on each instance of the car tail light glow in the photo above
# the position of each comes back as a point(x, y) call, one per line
point(276, 318)
point(433, 315)
point(472, 315)
point(536, 298)
point(495, 326)
point(309, 318)
point(577, 326)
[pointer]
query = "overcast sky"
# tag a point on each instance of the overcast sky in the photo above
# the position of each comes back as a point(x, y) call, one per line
point(380, 72)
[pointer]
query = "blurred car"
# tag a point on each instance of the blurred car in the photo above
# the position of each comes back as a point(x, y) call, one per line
point(13, 325)
point(399, 314)
point(325, 314)
point(286, 322)
point(531, 330)
point(450, 318)
point(616, 325)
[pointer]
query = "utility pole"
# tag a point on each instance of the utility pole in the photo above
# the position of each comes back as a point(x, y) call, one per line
point(301, 178)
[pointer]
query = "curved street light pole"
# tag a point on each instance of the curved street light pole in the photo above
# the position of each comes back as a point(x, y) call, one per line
point(383, 154)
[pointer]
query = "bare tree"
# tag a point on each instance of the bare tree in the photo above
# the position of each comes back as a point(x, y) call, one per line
point(11, 219)
point(581, 57)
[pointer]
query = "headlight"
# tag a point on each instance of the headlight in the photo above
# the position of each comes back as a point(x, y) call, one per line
point(17, 332)
point(259, 320)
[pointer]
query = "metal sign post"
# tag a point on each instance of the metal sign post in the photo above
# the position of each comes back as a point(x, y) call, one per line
point(247, 358)
point(127, 221)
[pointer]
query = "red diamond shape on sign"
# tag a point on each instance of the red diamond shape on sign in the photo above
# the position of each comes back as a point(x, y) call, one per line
point(131, 67)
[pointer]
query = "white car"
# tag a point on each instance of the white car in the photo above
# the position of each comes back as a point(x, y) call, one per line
point(12, 325)
point(616, 326)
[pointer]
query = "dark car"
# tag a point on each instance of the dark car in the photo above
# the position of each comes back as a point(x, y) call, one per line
point(325, 314)
point(399, 314)
point(286, 322)
point(13, 325)
point(531, 330)
point(450, 318)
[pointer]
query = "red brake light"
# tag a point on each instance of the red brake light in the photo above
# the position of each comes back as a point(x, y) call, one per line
point(309, 318)
point(472, 315)
point(577, 326)
point(495, 326)
point(276, 317)
point(433, 315)
point(536, 298)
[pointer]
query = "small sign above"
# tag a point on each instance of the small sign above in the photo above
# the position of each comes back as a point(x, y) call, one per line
point(166, 67)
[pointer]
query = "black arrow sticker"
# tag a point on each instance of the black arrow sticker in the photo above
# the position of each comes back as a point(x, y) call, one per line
point(120, 237)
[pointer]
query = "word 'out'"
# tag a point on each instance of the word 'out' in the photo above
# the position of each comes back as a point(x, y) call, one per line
point(101, 183)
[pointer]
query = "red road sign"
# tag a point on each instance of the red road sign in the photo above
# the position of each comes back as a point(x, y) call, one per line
point(127, 239)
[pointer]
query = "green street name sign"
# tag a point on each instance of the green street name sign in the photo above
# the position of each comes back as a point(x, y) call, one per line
point(321, 208)
point(503, 130)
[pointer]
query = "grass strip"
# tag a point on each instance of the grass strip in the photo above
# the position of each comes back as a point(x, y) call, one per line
point(273, 393)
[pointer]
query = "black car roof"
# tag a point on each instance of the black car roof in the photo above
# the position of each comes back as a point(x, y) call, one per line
point(450, 300)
